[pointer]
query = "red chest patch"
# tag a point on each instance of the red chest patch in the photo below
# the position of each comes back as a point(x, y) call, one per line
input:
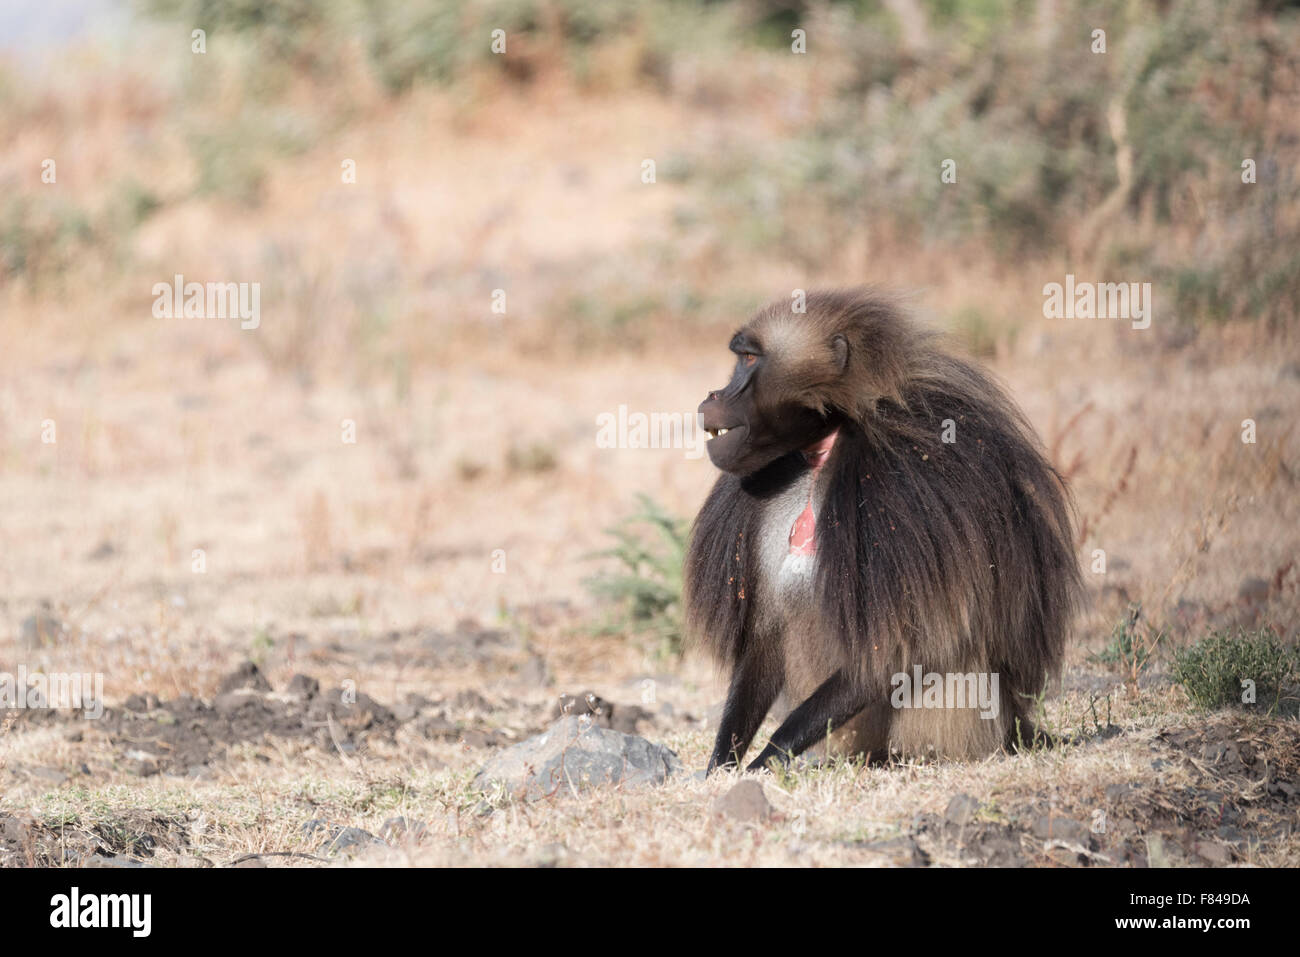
point(803, 534)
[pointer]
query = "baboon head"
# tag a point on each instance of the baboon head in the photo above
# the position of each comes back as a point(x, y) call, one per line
point(799, 375)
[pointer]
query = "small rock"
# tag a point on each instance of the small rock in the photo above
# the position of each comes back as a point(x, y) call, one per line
point(1253, 591)
point(103, 551)
point(315, 824)
point(900, 851)
point(588, 703)
point(339, 838)
point(623, 717)
point(745, 802)
point(628, 717)
point(1060, 829)
point(233, 701)
point(1115, 793)
point(247, 675)
point(576, 754)
point(346, 838)
point(435, 726)
point(399, 829)
point(1236, 836)
point(113, 860)
point(140, 703)
point(1157, 855)
point(961, 809)
point(552, 855)
point(999, 848)
point(1213, 852)
point(303, 687)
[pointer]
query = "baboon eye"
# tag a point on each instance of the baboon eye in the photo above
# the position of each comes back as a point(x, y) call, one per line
point(749, 358)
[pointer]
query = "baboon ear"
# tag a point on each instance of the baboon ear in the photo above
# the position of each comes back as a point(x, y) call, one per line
point(840, 346)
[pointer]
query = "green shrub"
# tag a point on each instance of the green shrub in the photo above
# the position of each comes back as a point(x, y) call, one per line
point(647, 581)
point(1213, 669)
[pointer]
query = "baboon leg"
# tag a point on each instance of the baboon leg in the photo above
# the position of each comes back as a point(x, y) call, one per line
point(831, 705)
point(866, 734)
point(1024, 734)
point(755, 684)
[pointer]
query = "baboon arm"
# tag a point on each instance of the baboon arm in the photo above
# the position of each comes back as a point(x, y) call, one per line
point(754, 688)
point(831, 705)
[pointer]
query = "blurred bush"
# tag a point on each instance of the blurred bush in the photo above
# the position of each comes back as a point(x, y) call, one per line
point(1130, 160)
point(1126, 163)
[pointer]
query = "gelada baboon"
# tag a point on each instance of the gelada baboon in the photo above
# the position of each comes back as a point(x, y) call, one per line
point(884, 510)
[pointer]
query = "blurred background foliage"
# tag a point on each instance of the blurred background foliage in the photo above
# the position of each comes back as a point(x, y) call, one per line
point(1128, 164)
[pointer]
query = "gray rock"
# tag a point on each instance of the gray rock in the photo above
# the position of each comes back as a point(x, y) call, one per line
point(247, 675)
point(1115, 793)
point(399, 829)
point(114, 860)
point(588, 703)
point(900, 851)
point(1060, 829)
point(347, 838)
point(340, 839)
point(303, 687)
point(623, 717)
point(961, 809)
point(576, 754)
point(745, 802)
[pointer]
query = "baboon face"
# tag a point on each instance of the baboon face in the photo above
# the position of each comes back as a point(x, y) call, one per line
point(775, 402)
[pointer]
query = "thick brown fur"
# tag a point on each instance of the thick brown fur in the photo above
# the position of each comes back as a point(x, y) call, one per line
point(954, 556)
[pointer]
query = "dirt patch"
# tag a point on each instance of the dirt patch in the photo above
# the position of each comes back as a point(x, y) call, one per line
point(1244, 799)
point(185, 735)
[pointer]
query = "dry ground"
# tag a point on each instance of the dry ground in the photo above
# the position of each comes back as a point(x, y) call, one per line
point(371, 563)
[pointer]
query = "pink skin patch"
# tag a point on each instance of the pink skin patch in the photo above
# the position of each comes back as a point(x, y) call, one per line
point(803, 534)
